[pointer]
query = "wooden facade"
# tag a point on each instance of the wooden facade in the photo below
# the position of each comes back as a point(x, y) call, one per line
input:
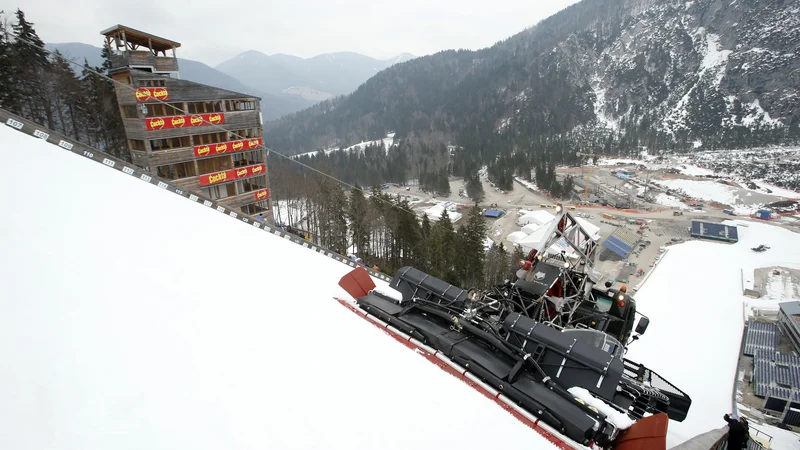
point(186, 131)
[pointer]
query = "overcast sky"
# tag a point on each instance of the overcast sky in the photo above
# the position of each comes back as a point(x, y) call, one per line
point(212, 31)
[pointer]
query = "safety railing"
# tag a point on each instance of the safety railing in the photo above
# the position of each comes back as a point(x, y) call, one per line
point(65, 143)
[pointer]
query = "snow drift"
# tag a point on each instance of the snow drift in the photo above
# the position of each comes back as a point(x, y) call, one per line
point(133, 318)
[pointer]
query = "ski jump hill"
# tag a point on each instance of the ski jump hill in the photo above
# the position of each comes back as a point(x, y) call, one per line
point(137, 315)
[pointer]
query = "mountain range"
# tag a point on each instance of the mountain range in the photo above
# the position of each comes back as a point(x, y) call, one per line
point(285, 83)
point(316, 78)
point(604, 75)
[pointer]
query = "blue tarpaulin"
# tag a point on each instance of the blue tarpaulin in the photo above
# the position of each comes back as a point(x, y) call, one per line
point(493, 213)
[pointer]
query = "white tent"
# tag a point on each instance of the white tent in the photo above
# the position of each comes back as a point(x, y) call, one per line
point(516, 236)
point(535, 217)
point(533, 240)
point(435, 213)
point(592, 229)
point(532, 227)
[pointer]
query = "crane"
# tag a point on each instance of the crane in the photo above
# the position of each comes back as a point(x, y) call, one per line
point(589, 170)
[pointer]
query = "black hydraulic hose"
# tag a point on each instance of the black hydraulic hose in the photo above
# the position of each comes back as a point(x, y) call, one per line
point(513, 352)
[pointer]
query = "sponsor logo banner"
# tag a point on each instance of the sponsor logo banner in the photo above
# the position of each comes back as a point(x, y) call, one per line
point(231, 175)
point(262, 194)
point(162, 123)
point(151, 94)
point(225, 147)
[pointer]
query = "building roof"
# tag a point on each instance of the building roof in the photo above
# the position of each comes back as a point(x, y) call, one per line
point(141, 38)
point(621, 241)
point(435, 213)
point(539, 217)
point(790, 308)
point(590, 228)
point(516, 236)
point(493, 213)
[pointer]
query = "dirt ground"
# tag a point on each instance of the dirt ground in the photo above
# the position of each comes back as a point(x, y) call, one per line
point(660, 227)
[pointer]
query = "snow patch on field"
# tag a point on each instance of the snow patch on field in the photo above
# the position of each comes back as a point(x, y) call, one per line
point(779, 191)
point(696, 171)
point(668, 200)
point(705, 190)
point(617, 161)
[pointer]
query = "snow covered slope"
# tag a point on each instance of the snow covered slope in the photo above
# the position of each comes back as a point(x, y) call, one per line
point(132, 318)
point(695, 303)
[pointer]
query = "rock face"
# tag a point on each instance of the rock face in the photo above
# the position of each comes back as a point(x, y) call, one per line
point(619, 73)
point(697, 71)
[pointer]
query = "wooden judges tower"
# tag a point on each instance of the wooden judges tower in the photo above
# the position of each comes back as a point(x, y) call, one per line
point(206, 139)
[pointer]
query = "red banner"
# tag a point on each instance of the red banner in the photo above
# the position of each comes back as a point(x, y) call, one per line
point(232, 175)
point(262, 194)
point(151, 94)
point(225, 147)
point(163, 123)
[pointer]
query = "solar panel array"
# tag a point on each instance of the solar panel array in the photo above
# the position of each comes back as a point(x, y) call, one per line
point(715, 231)
point(621, 241)
point(760, 336)
point(791, 417)
point(776, 375)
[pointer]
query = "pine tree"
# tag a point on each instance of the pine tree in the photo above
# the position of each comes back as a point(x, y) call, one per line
point(423, 253)
point(31, 97)
point(68, 97)
point(102, 114)
point(409, 234)
point(443, 249)
point(516, 256)
point(7, 87)
point(471, 254)
point(357, 213)
point(497, 265)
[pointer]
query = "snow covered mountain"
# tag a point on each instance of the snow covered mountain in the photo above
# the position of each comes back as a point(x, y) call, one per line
point(616, 73)
point(697, 70)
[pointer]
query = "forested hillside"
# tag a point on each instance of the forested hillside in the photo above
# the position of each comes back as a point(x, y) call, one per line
point(47, 90)
point(603, 75)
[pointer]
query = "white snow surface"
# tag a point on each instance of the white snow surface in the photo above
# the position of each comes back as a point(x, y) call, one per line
point(715, 58)
point(759, 115)
point(290, 212)
point(688, 169)
point(779, 191)
point(617, 161)
point(777, 289)
point(704, 190)
point(387, 142)
point(619, 419)
point(121, 327)
point(669, 200)
point(698, 285)
point(781, 439)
